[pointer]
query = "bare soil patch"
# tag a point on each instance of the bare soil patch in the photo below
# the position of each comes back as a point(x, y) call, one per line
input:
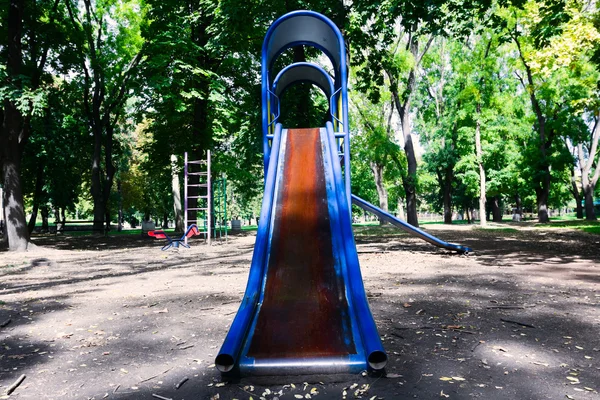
point(116, 318)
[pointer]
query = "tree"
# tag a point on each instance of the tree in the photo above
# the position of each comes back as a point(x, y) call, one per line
point(588, 158)
point(550, 37)
point(108, 59)
point(23, 97)
point(391, 38)
point(375, 145)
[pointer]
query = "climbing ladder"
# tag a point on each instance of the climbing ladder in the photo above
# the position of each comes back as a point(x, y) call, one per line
point(202, 196)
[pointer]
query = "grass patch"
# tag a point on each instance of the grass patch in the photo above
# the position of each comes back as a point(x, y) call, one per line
point(496, 229)
point(377, 230)
point(582, 225)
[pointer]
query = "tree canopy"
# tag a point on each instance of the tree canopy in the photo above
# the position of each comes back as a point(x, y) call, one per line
point(465, 108)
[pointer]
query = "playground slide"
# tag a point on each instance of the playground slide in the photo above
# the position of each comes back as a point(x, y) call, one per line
point(365, 205)
point(304, 310)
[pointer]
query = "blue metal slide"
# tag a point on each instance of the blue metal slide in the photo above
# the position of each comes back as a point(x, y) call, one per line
point(305, 309)
point(365, 205)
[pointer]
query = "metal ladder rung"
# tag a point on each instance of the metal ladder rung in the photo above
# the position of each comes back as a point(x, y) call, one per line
point(198, 173)
point(197, 197)
point(197, 162)
point(198, 185)
point(197, 209)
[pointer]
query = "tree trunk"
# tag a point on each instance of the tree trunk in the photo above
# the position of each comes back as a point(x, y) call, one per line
point(542, 188)
point(120, 215)
point(382, 194)
point(165, 223)
point(11, 142)
point(16, 228)
point(447, 195)
point(409, 182)
point(4, 239)
point(588, 192)
point(176, 191)
point(576, 194)
point(496, 210)
point(588, 184)
point(401, 208)
point(479, 155)
point(37, 196)
point(542, 194)
point(110, 172)
point(96, 188)
point(519, 205)
point(45, 218)
point(403, 104)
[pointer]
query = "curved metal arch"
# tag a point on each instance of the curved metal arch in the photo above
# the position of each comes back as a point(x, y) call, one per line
point(311, 29)
point(302, 72)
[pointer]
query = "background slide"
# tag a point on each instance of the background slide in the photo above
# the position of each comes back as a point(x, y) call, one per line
point(365, 205)
point(305, 309)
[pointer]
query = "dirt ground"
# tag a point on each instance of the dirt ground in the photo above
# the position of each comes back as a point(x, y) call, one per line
point(116, 318)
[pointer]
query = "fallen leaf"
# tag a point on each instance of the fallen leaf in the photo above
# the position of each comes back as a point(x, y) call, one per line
point(298, 396)
point(540, 363)
point(458, 378)
point(442, 394)
point(445, 378)
point(406, 305)
point(394, 376)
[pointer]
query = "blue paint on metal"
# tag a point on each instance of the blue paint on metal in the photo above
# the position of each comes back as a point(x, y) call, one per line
point(302, 72)
point(413, 230)
point(237, 332)
point(246, 362)
point(310, 29)
point(370, 337)
point(337, 240)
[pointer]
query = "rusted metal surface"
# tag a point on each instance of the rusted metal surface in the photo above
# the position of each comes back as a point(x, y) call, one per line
point(304, 312)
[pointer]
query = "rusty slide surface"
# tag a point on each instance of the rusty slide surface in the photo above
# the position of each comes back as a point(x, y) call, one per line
point(301, 278)
point(304, 310)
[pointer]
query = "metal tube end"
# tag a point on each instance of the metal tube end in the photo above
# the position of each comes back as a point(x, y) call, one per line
point(224, 362)
point(377, 360)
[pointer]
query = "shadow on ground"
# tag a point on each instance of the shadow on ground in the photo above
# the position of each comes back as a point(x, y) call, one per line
point(519, 319)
